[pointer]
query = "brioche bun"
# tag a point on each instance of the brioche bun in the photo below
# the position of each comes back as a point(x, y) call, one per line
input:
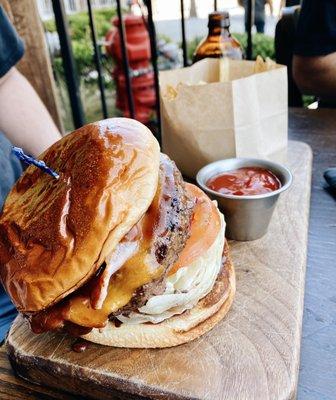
point(180, 328)
point(54, 234)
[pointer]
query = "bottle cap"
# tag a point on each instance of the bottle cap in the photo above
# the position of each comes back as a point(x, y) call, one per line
point(220, 19)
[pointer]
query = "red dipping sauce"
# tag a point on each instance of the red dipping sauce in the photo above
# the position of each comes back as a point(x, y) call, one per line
point(245, 181)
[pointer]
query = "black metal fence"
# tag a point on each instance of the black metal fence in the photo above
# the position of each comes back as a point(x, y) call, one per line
point(70, 68)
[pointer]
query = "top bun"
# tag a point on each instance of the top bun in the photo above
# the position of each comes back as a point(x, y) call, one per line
point(54, 234)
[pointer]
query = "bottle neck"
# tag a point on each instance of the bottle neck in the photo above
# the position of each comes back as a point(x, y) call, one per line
point(219, 31)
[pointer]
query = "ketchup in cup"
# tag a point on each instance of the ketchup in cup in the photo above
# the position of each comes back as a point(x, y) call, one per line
point(244, 181)
point(246, 190)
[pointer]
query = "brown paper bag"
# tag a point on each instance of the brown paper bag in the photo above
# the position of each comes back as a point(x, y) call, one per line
point(204, 120)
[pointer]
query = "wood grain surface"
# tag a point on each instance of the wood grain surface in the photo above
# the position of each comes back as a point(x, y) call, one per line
point(252, 354)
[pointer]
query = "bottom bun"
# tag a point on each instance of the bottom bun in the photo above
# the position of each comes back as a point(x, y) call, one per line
point(178, 329)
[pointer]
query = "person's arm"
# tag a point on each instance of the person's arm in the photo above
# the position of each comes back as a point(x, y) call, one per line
point(314, 62)
point(23, 117)
point(316, 75)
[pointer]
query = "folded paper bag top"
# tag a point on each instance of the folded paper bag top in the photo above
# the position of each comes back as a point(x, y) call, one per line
point(206, 120)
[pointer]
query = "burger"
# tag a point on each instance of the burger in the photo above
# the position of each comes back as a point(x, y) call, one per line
point(119, 250)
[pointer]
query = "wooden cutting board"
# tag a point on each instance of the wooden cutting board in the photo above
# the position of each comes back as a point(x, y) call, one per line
point(252, 354)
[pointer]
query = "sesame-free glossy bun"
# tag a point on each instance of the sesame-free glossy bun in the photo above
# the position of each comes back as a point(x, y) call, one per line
point(54, 234)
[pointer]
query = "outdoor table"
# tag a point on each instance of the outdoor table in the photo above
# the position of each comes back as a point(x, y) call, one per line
point(317, 379)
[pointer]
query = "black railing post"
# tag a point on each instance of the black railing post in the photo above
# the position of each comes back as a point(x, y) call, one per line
point(215, 5)
point(152, 37)
point(126, 66)
point(69, 66)
point(249, 25)
point(97, 60)
point(184, 42)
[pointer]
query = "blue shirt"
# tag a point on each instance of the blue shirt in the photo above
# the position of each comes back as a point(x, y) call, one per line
point(11, 51)
point(11, 46)
point(316, 28)
point(10, 170)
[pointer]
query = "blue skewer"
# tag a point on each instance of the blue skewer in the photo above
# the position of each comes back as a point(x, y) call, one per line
point(18, 152)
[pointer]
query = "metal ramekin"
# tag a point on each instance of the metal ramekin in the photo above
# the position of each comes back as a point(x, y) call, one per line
point(247, 217)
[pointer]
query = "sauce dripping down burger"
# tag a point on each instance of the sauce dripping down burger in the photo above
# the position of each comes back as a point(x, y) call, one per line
point(119, 237)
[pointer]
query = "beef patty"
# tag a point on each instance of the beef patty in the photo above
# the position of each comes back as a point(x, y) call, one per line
point(173, 210)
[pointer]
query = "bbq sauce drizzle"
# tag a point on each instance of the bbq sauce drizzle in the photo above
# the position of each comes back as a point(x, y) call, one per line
point(75, 313)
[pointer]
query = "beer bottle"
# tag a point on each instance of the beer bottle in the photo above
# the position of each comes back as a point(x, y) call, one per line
point(219, 43)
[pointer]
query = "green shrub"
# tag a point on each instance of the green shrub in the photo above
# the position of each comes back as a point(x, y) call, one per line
point(79, 23)
point(80, 35)
point(263, 45)
point(49, 25)
point(81, 38)
point(191, 46)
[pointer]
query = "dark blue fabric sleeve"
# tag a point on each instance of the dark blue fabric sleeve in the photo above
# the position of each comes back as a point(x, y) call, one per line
point(10, 171)
point(7, 313)
point(316, 29)
point(10, 168)
point(11, 46)
point(11, 50)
